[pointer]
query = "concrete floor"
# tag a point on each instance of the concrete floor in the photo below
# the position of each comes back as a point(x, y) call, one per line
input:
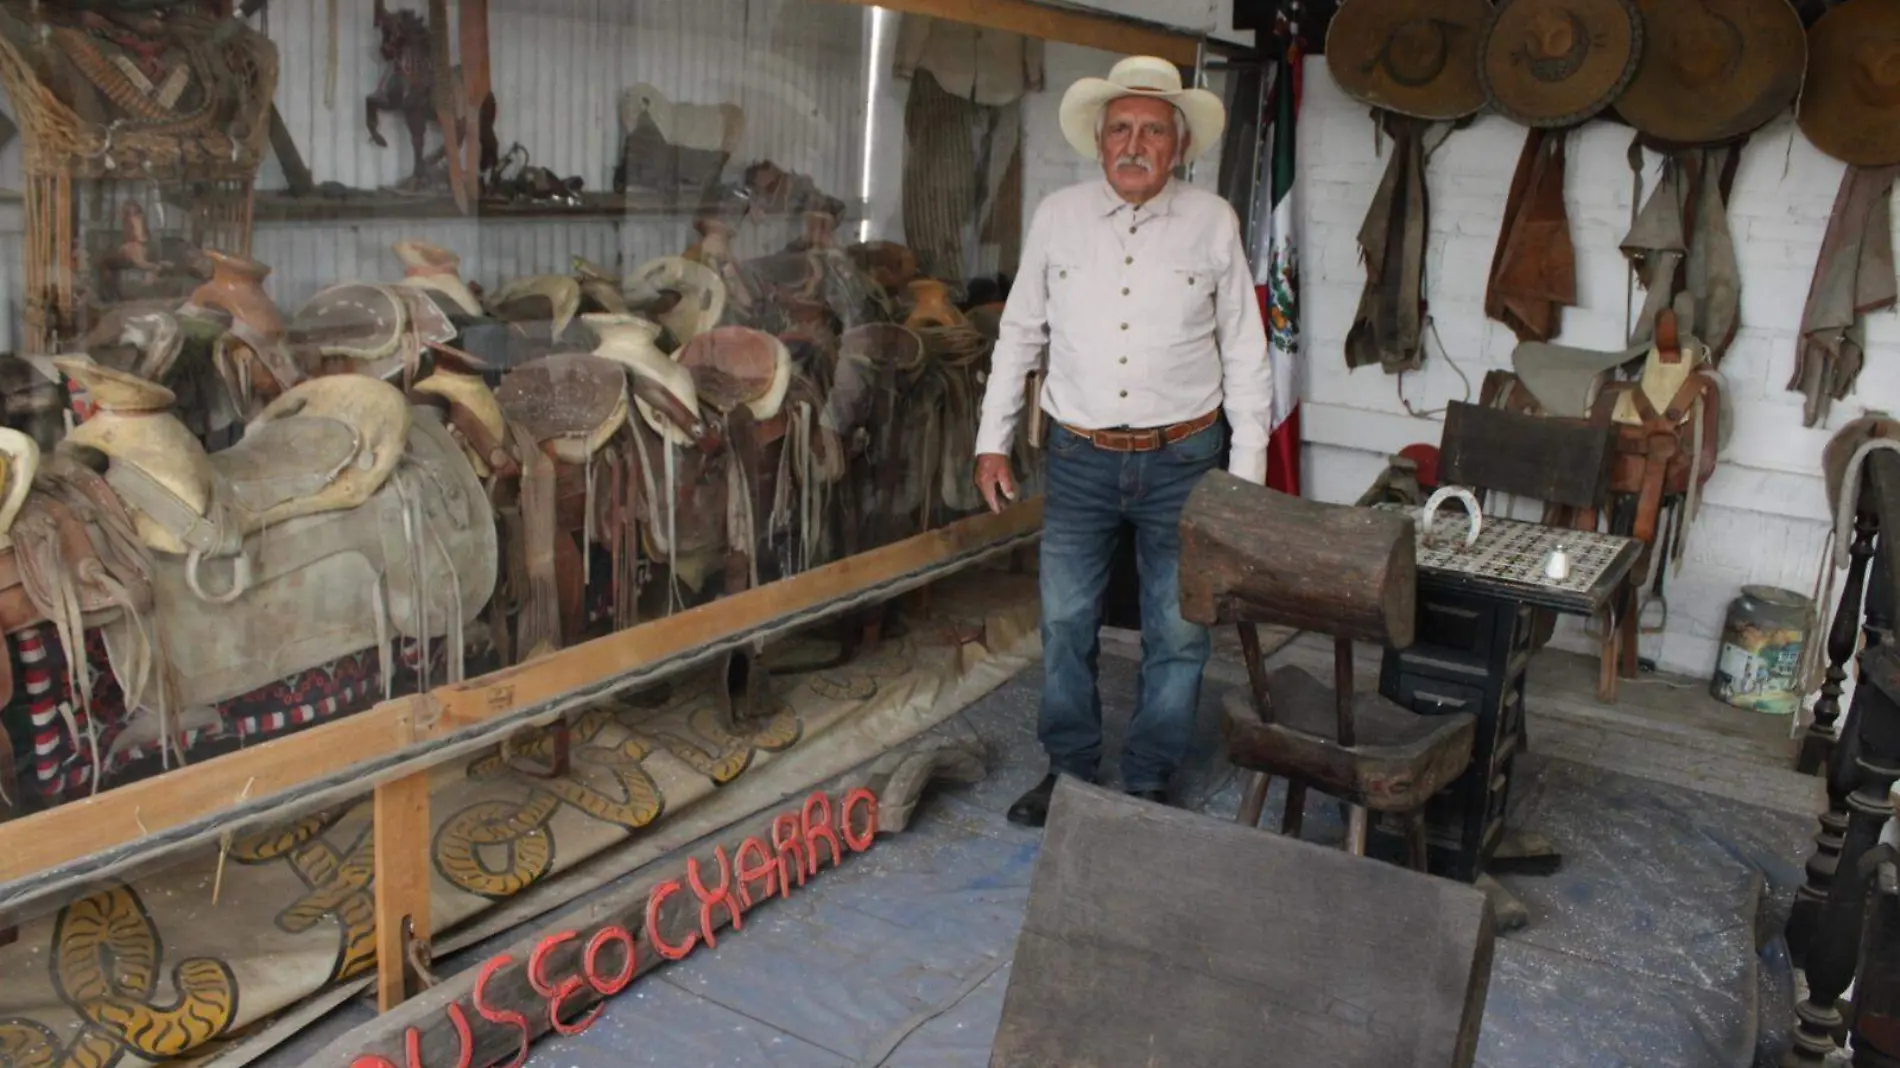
point(1656, 944)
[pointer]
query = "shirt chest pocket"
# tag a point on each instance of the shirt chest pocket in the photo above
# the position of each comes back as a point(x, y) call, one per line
point(1185, 295)
point(1065, 277)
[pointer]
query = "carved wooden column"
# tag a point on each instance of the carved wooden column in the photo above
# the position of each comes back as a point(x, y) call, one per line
point(1877, 985)
point(1870, 628)
point(1833, 944)
point(1817, 744)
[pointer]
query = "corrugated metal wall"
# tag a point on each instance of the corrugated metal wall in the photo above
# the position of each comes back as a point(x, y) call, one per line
point(559, 66)
point(796, 67)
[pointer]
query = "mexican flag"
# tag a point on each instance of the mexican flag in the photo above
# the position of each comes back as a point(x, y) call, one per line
point(1277, 262)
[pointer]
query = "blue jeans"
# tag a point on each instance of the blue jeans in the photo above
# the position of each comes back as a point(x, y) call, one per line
point(1089, 494)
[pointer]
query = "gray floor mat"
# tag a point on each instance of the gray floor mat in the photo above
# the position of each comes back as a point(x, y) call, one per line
point(1641, 951)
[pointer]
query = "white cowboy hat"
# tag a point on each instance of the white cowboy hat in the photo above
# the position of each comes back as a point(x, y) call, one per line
point(1141, 76)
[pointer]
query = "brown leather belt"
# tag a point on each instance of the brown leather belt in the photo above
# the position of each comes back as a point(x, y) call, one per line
point(1144, 440)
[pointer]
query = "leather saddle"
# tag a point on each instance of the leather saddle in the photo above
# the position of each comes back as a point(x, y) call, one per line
point(325, 445)
point(1667, 422)
point(1566, 380)
point(550, 299)
point(664, 392)
point(474, 417)
point(600, 289)
point(708, 510)
point(1842, 462)
point(733, 366)
point(376, 330)
point(570, 403)
point(891, 265)
point(437, 270)
point(879, 384)
point(416, 559)
point(566, 407)
point(686, 297)
point(870, 358)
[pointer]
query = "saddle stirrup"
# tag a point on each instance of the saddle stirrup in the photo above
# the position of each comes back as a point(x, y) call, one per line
point(240, 578)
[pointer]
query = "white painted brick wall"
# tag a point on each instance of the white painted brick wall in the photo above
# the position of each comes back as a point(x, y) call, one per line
point(1763, 517)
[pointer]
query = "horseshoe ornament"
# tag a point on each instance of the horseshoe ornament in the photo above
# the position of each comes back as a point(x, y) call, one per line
point(1472, 510)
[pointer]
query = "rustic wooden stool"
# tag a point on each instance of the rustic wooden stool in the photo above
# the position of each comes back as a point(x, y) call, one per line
point(1250, 555)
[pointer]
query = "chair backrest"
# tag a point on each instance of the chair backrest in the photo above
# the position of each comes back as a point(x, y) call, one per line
point(1321, 958)
point(1545, 458)
point(1250, 554)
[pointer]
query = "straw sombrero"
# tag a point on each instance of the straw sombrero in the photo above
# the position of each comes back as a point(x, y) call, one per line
point(1141, 76)
point(1713, 70)
point(1412, 57)
point(1555, 63)
point(1850, 106)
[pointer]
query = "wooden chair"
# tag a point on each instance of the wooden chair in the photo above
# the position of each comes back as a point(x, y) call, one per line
point(1154, 938)
point(1250, 555)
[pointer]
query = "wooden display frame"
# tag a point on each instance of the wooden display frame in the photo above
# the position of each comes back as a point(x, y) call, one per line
point(1065, 25)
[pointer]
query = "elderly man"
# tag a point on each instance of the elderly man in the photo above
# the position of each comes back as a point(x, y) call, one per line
point(1139, 286)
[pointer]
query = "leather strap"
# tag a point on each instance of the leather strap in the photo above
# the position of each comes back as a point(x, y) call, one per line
point(1144, 440)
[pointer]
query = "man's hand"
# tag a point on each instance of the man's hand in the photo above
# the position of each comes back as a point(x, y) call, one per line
point(994, 479)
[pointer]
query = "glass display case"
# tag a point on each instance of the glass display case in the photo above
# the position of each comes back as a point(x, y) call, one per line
point(355, 348)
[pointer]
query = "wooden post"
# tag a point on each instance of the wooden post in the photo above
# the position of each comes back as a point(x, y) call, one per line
point(476, 86)
point(1817, 744)
point(1255, 798)
point(1825, 926)
point(1842, 772)
point(1342, 692)
point(402, 883)
point(296, 171)
point(448, 104)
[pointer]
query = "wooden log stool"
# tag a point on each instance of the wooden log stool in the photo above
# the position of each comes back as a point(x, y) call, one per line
point(1251, 555)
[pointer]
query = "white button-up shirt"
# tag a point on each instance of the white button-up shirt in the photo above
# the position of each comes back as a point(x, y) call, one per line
point(1150, 318)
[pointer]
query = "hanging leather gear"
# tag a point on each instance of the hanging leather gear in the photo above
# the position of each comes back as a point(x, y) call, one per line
point(1413, 61)
point(1853, 277)
point(1680, 243)
point(1388, 328)
point(1534, 270)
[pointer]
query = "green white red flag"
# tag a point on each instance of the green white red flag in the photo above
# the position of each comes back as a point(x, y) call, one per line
point(1276, 254)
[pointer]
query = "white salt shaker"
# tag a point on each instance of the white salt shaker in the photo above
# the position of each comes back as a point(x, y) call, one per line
point(1557, 564)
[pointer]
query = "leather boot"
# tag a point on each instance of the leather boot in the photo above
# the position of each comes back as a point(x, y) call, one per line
point(1032, 809)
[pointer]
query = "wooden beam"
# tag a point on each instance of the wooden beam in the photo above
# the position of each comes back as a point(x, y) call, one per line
point(42, 853)
point(402, 882)
point(1057, 24)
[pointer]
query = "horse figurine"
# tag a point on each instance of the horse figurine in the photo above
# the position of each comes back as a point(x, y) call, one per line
point(408, 83)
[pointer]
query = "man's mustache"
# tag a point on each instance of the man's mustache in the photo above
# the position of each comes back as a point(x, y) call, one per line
point(1127, 159)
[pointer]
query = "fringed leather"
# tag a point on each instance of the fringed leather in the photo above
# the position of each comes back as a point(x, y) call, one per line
point(539, 630)
point(1534, 270)
point(1853, 276)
